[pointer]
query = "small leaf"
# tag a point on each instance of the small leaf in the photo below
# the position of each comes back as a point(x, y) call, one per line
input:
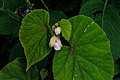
point(89, 57)
point(43, 73)
point(34, 36)
point(66, 27)
point(16, 71)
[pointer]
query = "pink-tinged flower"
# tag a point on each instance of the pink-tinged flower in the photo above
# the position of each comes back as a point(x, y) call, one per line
point(57, 30)
point(55, 42)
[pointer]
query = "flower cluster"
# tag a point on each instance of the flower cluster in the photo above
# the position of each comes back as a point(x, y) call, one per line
point(55, 41)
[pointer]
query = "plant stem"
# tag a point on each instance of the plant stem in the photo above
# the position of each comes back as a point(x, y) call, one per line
point(45, 5)
point(104, 12)
point(28, 1)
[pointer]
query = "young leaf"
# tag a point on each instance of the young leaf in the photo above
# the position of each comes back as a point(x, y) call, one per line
point(43, 73)
point(34, 36)
point(65, 26)
point(16, 71)
point(89, 57)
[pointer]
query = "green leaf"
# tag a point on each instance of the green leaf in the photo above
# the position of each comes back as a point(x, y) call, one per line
point(111, 22)
point(43, 73)
point(116, 4)
point(33, 36)
point(16, 71)
point(116, 79)
point(84, 1)
point(15, 4)
point(16, 51)
point(32, 74)
point(111, 25)
point(66, 27)
point(116, 69)
point(91, 7)
point(56, 16)
point(67, 5)
point(1, 4)
point(9, 22)
point(89, 57)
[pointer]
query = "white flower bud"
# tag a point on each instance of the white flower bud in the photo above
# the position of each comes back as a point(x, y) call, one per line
point(57, 30)
point(55, 42)
point(56, 46)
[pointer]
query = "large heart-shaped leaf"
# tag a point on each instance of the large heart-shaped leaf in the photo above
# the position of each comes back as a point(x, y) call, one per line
point(16, 71)
point(89, 57)
point(34, 36)
point(110, 21)
point(111, 25)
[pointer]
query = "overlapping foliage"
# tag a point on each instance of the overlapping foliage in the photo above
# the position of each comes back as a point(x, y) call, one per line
point(90, 46)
